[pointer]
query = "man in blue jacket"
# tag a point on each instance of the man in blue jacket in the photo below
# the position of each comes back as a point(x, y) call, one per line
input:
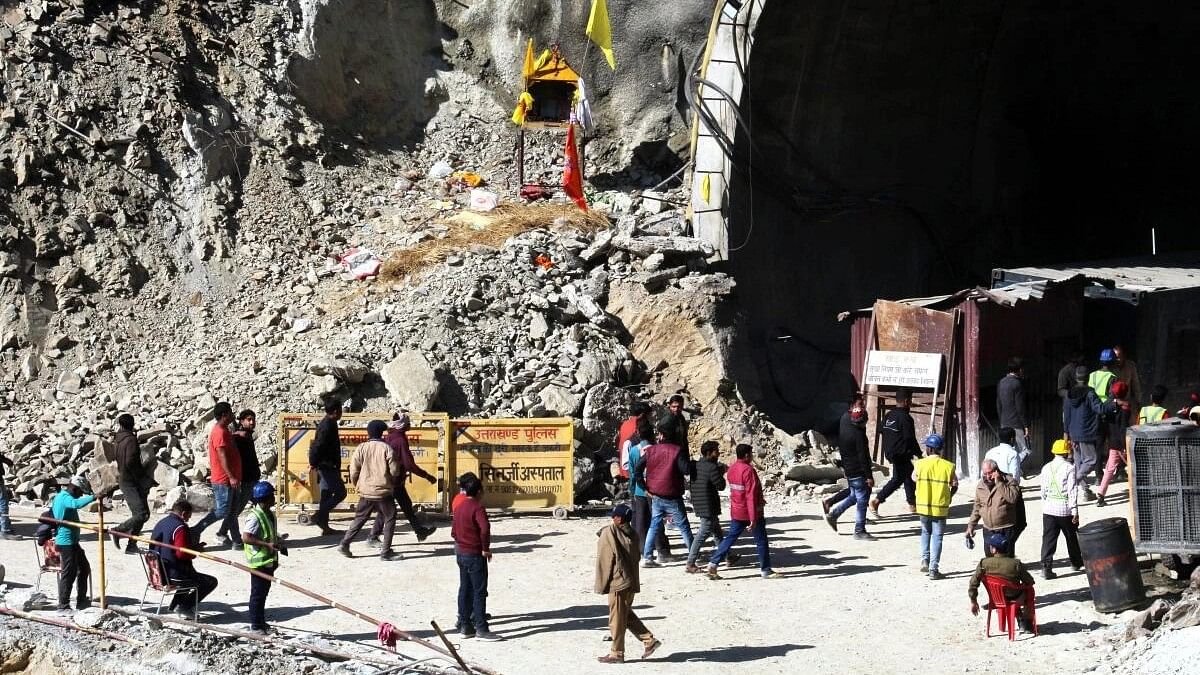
point(75, 569)
point(1081, 426)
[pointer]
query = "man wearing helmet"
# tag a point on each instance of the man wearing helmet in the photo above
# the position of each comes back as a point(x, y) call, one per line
point(936, 484)
point(1060, 508)
point(1101, 380)
point(260, 539)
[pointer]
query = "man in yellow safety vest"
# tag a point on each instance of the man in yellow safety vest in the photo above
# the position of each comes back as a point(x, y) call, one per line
point(260, 539)
point(1155, 412)
point(936, 483)
point(1060, 508)
point(1101, 380)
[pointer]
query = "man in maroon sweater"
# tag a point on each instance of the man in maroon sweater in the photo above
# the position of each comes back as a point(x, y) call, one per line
point(397, 437)
point(472, 535)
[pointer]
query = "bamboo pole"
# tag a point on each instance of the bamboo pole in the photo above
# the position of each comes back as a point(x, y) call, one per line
point(73, 626)
point(100, 524)
point(437, 629)
point(263, 575)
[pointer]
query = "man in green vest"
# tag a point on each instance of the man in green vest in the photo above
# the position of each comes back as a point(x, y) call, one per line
point(1101, 380)
point(260, 539)
point(936, 484)
point(1155, 412)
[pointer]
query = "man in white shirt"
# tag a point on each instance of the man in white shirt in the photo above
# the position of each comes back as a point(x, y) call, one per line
point(1008, 460)
point(1060, 508)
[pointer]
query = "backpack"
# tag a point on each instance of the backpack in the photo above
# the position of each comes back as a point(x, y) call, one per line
point(45, 530)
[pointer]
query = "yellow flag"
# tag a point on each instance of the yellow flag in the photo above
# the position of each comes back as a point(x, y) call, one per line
point(527, 68)
point(524, 103)
point(542, 60)
point(600, 32)
point(706, 188)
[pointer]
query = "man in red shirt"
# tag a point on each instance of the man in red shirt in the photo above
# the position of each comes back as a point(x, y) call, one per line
point(472, 533)
point(226, 480)
point(746, 510)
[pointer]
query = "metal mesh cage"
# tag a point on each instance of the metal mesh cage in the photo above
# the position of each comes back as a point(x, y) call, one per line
point(1165, 470)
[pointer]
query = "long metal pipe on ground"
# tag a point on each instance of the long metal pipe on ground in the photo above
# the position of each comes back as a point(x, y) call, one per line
point(73, 626)
point(287, 584)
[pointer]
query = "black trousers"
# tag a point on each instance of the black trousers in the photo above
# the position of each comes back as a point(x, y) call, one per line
point(1051, 527)
point(902, 470)
point(386, 508)
point(641, 526)
point(203, 583)
point(259, 588)
point(75, 572)
point(400, 494)
point(1014, 532)
point(139, 511)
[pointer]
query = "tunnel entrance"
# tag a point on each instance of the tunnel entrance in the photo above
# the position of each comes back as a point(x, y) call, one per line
point(905, 150)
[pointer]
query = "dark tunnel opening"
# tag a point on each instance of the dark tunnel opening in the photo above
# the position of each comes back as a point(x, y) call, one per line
point(905, 150)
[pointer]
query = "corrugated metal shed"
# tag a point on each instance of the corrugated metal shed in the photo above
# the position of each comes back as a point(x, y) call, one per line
point(1007, 296)
point(1126, 279)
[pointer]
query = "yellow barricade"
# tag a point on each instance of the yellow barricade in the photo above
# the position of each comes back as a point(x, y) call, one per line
point(525, 464)
point(299, 487)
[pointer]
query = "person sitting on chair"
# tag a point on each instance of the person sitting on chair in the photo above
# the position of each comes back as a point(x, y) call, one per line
point(999, 564)
point(181, 571)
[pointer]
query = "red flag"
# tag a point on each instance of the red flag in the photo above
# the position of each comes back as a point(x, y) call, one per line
point(572, 177)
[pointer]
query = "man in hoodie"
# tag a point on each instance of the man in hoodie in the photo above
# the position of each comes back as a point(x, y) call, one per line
point(133, 482)
point(1116, 416)
point(1010, 406)
point(1060, 509)
point(901, 448)
point(397, 438)
point(857, 466)
point(373, 470)
point(1081, 426)
point(617, 576)
point(996, 498)
point(746, 512)
point(663, 468)
point(708, 479)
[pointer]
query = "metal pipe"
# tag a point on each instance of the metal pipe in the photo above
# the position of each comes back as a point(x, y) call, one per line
point(73, 626)
point(450, 646)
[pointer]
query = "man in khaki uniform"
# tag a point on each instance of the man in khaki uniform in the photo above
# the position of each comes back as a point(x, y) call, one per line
point(617, 575)
point(998, 564)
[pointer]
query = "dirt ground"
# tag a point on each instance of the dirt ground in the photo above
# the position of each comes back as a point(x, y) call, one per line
point(841, 602)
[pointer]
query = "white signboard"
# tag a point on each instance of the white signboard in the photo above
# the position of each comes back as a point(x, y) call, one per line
point(902, 369)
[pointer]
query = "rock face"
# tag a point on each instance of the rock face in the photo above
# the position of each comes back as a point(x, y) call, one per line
point(411, 382)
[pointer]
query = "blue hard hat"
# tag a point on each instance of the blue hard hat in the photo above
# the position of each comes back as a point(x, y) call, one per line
point(934, 441)
point(1107, 356)
point(260, 490)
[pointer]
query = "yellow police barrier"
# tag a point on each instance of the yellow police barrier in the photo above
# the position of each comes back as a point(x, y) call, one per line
point(299, 488)
point(525, 464)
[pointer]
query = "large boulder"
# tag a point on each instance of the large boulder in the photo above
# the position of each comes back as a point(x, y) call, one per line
point(411, 382)
point(560, 401)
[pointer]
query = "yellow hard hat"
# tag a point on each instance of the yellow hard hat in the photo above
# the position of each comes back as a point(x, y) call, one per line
point(1060, 447)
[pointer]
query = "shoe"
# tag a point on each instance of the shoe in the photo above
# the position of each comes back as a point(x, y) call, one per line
point(468, 634)
point(1048, 573)
point(665, 558)
point(10, 536)
point(223, 542)
point(609, 658)
point(1077, 567)
point(771, 574)
point(863, 536)
point(825, 506)
point(83, 604)
point(650, 562)
point(651, 648)
point(936, 575)
point(873, 508)
point(236, 545)
point(132, 549)
point(374, 542)
point(424, 532)
point(831, 520)
point(1100, 501)
point(1088, 495)
point(711, 573)
point(691, 568)
point(116, 539)
point(390, 555)
point(345, 550)
point(260, 630)
point(488, 636)
point(924, 565)
point(63, 609)
point(732, 559)
point(329, 532)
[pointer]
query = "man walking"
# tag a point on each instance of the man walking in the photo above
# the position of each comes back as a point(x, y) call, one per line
point(6, 528)
point(857, 467)
point(708, 479)
point(1010, 406)
point(178, 565)
point(617, 576)
point(746, 512)
point(637, 412)
point(1115, 415)
point(75, 570)
point(936, 484)
point(1066, 374)
point(226, 479)
point(325, 458)
point(397, 440)
point(373, 470)
point(634, 447)
point(1060, 509)
point(472, 534)
point(1101, 380)
point(1008, 460)
point(1126, 371)
point(900, 447)
point(133, 482)
point(662, 468)
point(674, 425)
point(260, 540)
point(1081, 426)
point(995, 504)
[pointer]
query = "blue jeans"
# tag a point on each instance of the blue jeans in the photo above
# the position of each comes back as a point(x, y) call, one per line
point(660, 507)
point(760, 541)
point(859, 494)
point(931, 551)
point(222, 496)
point(472, 592)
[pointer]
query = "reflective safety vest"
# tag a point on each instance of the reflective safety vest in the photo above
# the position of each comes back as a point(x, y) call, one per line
point(1100, 381)
point(1055, 492)
point(934, 476)
point(260, 556)
point(1151, 413)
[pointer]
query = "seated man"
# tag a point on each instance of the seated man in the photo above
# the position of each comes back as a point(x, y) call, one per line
point(999, 564)
point(173, 529)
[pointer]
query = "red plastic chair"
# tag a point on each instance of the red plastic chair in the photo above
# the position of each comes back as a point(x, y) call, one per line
point(1006, 610)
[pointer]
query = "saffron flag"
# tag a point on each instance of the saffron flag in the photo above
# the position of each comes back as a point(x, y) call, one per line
point(706, 188)
point(527, 67)
point(572, 177)
point(599, 31)
point(524, 103)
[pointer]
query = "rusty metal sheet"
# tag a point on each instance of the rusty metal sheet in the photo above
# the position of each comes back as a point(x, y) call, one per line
point(905, 328)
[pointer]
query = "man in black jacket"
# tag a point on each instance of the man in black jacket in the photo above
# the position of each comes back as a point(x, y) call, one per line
point(901, 448)
point(708, 479)
point(856, 464)
point(133, 482)
point(674, 425)
point(325, 457)
point(1010, 405)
